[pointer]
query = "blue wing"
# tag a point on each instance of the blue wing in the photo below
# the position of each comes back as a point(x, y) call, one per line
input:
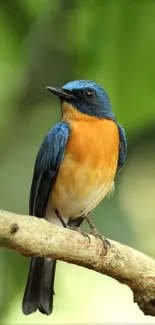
point(47, 164)
point(122, 148)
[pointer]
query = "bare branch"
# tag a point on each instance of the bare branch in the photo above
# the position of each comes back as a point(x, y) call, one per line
point(31, 236)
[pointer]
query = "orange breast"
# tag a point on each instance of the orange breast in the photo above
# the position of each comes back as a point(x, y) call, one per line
point(88, 168)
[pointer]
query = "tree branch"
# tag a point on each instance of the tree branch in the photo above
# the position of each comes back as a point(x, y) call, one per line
point(31, 236)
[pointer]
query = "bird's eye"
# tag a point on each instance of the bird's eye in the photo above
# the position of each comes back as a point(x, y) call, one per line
point(89, 93)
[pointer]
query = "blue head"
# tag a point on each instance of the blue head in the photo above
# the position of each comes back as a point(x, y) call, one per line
point(87, 97)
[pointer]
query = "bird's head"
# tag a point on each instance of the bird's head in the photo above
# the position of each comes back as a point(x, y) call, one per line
point(85, 96)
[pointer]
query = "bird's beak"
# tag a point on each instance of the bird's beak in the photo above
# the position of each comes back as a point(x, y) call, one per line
point(60, 93)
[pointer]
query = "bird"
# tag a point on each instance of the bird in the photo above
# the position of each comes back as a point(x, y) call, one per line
point(74, 171)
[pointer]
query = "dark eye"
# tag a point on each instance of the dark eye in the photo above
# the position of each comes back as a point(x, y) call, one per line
point(89, 93)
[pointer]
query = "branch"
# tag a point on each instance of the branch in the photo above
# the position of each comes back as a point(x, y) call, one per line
point(31, 236)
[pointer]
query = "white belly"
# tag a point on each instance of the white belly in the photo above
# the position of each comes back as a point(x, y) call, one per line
point(74, 209)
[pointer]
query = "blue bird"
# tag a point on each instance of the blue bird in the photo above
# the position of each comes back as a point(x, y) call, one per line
point(74, 170)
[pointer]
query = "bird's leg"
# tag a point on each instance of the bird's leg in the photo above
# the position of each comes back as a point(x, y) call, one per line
point(60, 218)
point(96, 233)
point(65, 225)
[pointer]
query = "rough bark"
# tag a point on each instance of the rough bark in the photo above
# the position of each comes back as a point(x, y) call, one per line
point(31, 236)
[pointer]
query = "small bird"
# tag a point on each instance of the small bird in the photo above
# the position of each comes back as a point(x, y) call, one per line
point(74, 170)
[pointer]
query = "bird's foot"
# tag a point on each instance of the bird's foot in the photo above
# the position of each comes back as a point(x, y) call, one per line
point(65, 225)
point(95, 232)
point(105, 241)
point(82, 231)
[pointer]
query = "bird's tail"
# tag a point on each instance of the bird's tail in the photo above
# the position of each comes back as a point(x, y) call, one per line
point(39, 289)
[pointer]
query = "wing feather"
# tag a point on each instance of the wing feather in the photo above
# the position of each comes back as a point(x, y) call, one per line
point(122, 148)
point(47, 164)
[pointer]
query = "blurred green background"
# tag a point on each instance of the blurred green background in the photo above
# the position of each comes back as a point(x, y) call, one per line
point(52, 42)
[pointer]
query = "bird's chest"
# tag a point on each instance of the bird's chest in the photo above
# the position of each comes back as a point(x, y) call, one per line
point(88, 168)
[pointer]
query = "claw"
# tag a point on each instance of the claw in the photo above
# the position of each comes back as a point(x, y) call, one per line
point(81, 231)
point(105, 241)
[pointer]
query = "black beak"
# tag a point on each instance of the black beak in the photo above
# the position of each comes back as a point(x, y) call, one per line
point(60, 93)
